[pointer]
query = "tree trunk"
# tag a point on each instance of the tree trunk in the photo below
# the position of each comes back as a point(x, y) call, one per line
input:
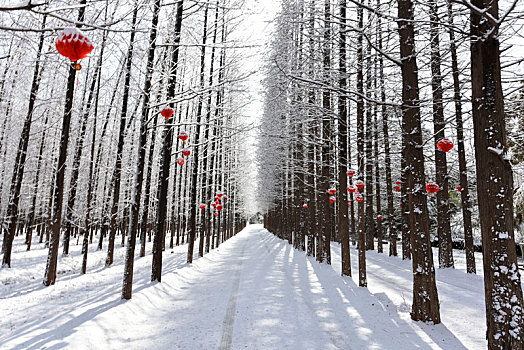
point(343, 122)
point(425, 298)
point(56, 221)
point(441, 168)
point(18, 170)
point(163, 182)
point(503, 292)
point(195, 159)
point(117, 173)
point(127, 286)
point(464, 194)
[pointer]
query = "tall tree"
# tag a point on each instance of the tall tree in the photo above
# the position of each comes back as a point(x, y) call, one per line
point(441, 168)
point(362, 279)
point(56, 221)
point(117, 171)
point(464, 183)
point(425, 298)
point(503, 291)
point(343, 123)
point(127, 286)
point(21, 155)
point(195, 163)
point(163, 182)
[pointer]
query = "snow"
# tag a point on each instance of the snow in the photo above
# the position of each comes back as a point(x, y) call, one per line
point(253, 292)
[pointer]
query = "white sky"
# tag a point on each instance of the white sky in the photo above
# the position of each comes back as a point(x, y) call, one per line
point(256, 31)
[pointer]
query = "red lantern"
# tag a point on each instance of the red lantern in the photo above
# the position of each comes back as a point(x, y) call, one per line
point(351, 172)
point(358, 197)
point(332, 199)
point(399, 182)
point(219, 194)
point(359, 184)
point(398, 188)
point(220, 207)
point(167, 112)
point(202, 206)
point(304, 206)
point(432, 187)
point(459, 188)
point(445, 145)
point(216, 213)
point(213, 204)
point(224, 197)
point(180, 161)
point(379, 217)
point(400, 205)
point(73, 44)
point(186, 152)
point(77, 66)
point(332, 190)
point(183, 136)
point(351, 188)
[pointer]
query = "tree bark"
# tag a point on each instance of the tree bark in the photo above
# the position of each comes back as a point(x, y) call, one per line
point(127, 285)
point(425, 298)
point(343, 122)
point(464, 184)
point(18, 170)
point(56, 223)
point(117, 173)
point(503, 291)
point(441, 168)
point(195, 160)
point(163, 183)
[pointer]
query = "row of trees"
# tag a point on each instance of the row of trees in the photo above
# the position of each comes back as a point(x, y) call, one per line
point(376, 75)
point(106, 166)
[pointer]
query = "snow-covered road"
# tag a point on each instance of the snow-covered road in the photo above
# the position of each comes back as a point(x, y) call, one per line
point(254, 292)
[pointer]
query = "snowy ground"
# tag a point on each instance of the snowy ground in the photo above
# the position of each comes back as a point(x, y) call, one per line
point(254, 292)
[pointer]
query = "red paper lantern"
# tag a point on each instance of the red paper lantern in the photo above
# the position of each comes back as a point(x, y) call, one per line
point(398, 188)
point(351, 172)
point(459, 188)
point(400, 205)
point(73, 44)
point(186, 152)
point(351, 188)
point(220, 194)
point(304, 206)
point(359, 184)
point(220, 207)
point(332, 199)
point(167, 112)
point(432, 187)
point(379, 217)
point(180, 161)
point(445, 145)
point(399, 182)
point(213, 204)
point(216, 213)
point(225, 197)
point(202, 206)
point(332, 190)
point(183, 136)
point(358, 197)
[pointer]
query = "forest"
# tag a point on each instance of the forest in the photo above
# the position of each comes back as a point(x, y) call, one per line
point(357, 164)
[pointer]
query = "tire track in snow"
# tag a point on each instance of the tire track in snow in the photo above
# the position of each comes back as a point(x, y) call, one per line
point(229, 319)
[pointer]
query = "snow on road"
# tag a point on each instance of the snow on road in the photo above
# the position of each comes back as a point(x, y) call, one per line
point(253, 292)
